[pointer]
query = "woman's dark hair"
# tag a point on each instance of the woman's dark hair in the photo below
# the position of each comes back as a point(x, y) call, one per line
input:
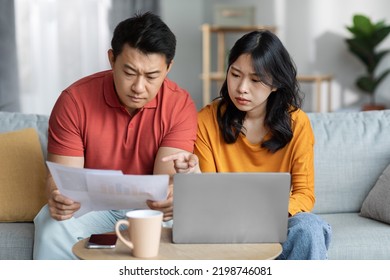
point(275, 68)
point(147, 33)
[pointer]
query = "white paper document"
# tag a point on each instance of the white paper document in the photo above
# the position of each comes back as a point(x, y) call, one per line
point(107, 189)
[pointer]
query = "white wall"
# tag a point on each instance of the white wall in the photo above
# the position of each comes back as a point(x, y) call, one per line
point(57, 46)
point(312, 31)
point(315, 35)
point(185, 18)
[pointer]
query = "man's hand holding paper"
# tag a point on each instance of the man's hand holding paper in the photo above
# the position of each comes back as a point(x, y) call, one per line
point(109, 189)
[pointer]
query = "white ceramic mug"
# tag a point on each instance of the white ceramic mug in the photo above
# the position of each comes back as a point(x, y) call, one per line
point(144, 228)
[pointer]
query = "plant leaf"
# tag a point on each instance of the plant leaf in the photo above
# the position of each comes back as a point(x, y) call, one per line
point(360, 49)
point(379, 55)
point(366, 84)
point(363, 25)
point(367, 36)
point(379, 24)
point(382, 77)
point(379, 35)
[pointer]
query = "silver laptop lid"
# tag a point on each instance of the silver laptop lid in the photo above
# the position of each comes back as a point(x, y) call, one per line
point(230, 207)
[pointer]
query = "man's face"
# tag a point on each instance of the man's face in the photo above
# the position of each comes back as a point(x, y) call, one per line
point(137, 76)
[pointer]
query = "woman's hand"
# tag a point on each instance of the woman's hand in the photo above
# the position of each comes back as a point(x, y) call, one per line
point(184, 162)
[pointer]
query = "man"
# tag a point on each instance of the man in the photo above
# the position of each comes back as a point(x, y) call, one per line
point(127, 118)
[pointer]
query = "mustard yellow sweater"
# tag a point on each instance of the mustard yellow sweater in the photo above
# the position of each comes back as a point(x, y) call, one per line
point(297, 157)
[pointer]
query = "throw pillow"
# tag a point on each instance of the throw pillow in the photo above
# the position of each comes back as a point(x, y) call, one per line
point(377, 203)
point(22, 176)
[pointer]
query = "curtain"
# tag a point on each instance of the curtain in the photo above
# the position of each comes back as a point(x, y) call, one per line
point(9, 87)
point(59, 42)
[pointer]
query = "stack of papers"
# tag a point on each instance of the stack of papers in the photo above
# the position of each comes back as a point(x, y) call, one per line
point(98, 189)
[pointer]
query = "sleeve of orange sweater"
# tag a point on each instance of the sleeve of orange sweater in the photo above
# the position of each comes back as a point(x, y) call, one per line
point(302, 196)
point(297, 157)
point(207, 134)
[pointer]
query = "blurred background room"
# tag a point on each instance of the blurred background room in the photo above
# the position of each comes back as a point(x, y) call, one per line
point(48, 44)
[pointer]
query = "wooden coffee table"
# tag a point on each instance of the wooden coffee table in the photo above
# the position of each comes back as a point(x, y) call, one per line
point(171, 251)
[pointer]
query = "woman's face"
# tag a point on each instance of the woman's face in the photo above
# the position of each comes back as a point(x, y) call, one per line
point(246, 90)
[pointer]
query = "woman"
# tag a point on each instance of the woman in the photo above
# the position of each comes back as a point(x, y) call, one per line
point(256, 125)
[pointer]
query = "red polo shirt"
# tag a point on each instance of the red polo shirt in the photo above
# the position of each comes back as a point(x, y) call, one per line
point(89, 121)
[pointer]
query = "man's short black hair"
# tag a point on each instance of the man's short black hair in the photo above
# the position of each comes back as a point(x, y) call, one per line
point(147, 33)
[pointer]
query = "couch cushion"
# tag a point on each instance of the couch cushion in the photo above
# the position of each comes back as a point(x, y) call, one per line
point(377, 204)
point(16, 241)
point(351, 151)
point(22, 175)
point(357, 238)
point(10, 121)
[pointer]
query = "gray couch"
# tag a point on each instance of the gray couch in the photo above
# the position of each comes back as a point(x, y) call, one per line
point(16, 239)
point(351, 151)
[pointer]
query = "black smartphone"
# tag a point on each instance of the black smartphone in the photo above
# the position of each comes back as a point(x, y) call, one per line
point(98, 241)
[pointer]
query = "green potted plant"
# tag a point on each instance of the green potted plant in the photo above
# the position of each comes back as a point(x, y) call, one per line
point(363, 44)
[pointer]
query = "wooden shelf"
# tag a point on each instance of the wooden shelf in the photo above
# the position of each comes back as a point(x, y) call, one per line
point(215, 76)
point(318, 80)
point(208, 76)
point(238, 29)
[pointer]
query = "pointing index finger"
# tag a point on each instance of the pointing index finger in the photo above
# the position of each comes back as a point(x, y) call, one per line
point(170, 158)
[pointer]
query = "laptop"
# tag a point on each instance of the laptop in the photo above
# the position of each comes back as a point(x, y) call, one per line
point(230, 207)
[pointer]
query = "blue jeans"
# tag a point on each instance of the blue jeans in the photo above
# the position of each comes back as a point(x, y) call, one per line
point(54, 239)
point(308, 238)
point(308, 235)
